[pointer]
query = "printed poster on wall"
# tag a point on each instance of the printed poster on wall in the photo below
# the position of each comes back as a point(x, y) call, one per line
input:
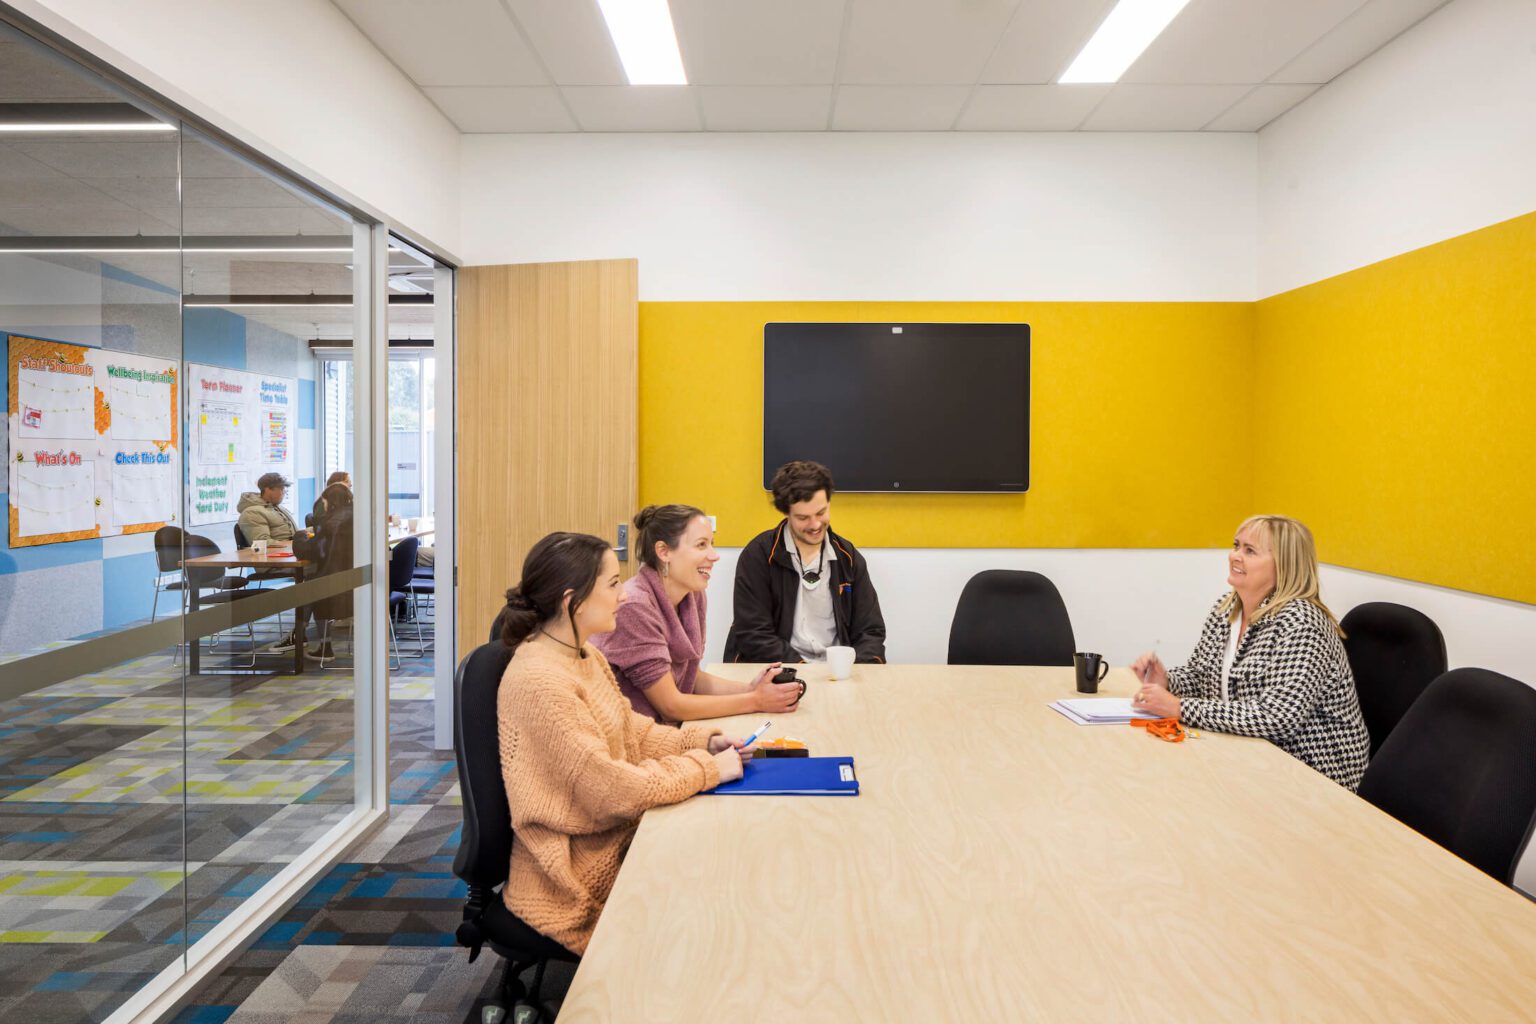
point(242, 427)
point(93, 441)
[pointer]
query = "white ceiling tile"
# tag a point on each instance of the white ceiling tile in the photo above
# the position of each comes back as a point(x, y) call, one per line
point(1236, 41)
point(448, 42)
point(1362, 34)
point(572, 38)
point(633, 108)
point(922, 42)
point(1260, 107)
point(898, 108)
point(1030, 108)
point(1043, 38)
point(749, 42)
point(95, 158)
point(528, 108)
point(1162, 108)
point(765, 108)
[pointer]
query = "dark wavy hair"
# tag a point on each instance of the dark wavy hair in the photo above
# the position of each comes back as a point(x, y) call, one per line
point(559, 563)
point(664, 523)
point(798, 481)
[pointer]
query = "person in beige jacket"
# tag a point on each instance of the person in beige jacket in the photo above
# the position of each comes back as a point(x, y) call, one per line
point(580, 765)
point(262, 516)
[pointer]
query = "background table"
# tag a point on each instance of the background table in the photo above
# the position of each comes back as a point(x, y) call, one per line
point(245, 558)
point(1004, 864)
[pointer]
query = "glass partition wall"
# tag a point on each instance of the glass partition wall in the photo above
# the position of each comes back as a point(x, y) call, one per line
point(187, 613)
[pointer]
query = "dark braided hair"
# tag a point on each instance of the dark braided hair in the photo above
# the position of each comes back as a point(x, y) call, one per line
point(560, 563)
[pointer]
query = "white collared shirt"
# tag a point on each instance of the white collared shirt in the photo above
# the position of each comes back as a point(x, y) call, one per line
point(815, 628)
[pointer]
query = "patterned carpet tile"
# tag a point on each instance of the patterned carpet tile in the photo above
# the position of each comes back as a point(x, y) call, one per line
point(75, 902)
point(32, 754)
point(281, 835)
point(69, 984)
point(323, 733)
point(347, 984)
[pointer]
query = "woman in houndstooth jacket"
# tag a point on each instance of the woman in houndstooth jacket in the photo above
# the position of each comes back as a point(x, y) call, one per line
point(1269, 662)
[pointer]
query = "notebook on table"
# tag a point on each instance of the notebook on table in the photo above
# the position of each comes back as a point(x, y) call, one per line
point(799, 776)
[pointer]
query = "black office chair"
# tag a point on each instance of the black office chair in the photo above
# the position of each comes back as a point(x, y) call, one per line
point(402, 563)
point(1461, 768)
point(496, 627)
point(485, 849)
point(1008, 617)
point(168, 574)
point(1394, 652)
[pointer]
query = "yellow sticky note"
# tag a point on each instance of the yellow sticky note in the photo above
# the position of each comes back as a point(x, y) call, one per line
point(237, 421)
point(205, 419)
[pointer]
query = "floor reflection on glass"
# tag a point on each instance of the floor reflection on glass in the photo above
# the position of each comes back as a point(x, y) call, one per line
point(95, 776)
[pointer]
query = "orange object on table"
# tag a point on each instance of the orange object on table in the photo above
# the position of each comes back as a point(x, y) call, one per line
point(1164, 728)
point(782, 743)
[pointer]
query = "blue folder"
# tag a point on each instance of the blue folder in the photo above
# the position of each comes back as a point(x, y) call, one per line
point(794, 776)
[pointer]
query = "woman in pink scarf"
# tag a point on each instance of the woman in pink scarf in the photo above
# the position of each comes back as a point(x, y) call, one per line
point(656, 649)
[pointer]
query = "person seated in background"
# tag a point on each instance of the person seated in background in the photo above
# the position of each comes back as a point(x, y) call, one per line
point(580, 765)
point(262, 516)
point(342, 477)
point(658, 643)
point(800, 588)
point(329, 551)
point(1270, 661)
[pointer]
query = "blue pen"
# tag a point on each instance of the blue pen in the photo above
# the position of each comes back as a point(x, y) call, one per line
point(756, 736)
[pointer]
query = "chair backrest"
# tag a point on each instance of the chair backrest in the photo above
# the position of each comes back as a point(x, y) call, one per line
point(1008, 617)
point(496, 627)
point(485, 850)
point(1395, 652)
point(196, 546)
point(240, 541)
point(168, 549)
point(402, 564)
point(1461, 767)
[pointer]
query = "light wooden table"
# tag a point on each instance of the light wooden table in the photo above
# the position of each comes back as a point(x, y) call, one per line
point(1003, 864)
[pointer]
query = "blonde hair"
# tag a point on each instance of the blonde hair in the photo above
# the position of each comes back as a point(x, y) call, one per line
point(1296, 578)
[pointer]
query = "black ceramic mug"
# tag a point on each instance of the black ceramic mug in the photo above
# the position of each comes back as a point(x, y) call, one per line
point(1091, 670)
point(788, 675)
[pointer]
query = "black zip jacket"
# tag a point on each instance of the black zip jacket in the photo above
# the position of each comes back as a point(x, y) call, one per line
point(767, 587)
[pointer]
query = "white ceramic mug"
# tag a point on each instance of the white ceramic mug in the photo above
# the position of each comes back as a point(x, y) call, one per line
point(840, 661)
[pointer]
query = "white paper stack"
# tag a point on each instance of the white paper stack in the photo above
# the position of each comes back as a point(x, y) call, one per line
point(1100, 710)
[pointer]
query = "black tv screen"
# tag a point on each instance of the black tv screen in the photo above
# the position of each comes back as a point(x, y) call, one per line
point(899, 407)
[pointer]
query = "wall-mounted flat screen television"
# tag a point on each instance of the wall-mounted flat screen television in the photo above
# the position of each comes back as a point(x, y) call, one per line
point(899, 407)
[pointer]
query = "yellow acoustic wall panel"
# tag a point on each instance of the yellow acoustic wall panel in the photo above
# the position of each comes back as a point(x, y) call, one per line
point(1139, 424)
point(1399, 412)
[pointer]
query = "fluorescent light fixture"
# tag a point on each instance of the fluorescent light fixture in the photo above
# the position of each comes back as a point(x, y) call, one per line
point(642, 33)
point(1124, 36)
point(140, 126)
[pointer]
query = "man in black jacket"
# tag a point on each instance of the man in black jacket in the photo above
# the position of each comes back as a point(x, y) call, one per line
point(800, 588)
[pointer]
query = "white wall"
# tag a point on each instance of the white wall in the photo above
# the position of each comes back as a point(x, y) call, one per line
point(1126, 601)
point(1431, 137)
point(1122, 602)
point(987, 216)
point(294, 75)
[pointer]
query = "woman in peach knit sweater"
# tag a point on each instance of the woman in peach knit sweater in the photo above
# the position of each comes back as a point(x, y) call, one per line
point(580, 765)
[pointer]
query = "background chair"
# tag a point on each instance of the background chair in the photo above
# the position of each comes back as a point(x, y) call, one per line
point(168, 574)
point(485, 849)
point(1395, 652)
point(402, 569)
point(1008, 617)
point(1461, 768)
